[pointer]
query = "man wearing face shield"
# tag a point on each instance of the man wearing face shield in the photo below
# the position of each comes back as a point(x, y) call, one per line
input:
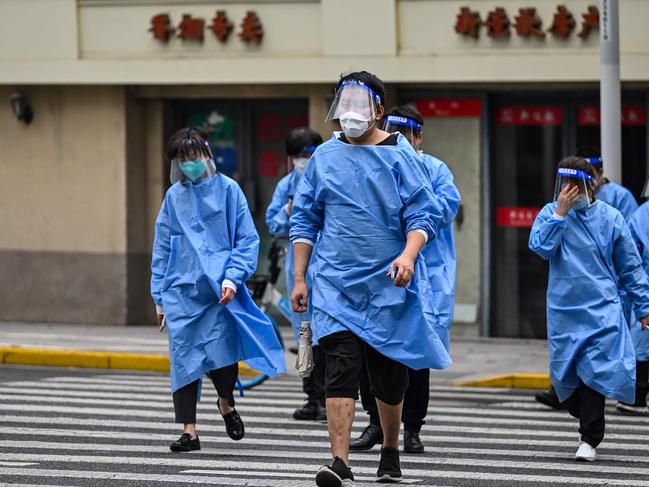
point(639, 225)
point(592, 257)
point(439, 255)
point(365, 197)
point(300, 145)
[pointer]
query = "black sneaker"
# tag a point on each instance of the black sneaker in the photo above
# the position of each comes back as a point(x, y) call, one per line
point(411, 442)
point(372, 435)
point(389, 469)
point(311, 412)
point(335, 475)
point(548, 398)
point(185, 443)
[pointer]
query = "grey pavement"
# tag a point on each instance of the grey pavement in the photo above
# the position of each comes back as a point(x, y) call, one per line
point(64, 427)
point(473, 358)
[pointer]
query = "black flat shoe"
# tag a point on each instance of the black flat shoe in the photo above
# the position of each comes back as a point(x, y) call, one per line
point(372, 435)
point(411, 442)
point(548, 398)
point(185, 443)
point(233, 424)
point(311, 412)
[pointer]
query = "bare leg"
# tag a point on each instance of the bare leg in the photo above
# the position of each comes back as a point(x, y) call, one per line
point(191, 429)
point(340, 416)
point(390, 423)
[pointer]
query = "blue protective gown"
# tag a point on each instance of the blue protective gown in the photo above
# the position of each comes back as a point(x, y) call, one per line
point(639, 225)
point(440, 252)
point(364, 200)
point(278, 225)
point(592, 255)
point(205, 234)
point(618, 197)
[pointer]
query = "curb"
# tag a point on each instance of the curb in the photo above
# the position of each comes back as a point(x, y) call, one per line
point(511, 381)
point(92, 360)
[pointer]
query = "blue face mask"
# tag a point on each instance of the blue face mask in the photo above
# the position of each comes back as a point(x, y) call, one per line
point(582, 202)
point(193, 169)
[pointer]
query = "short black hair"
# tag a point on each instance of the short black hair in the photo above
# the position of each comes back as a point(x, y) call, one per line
point(406, 111)
point(368, 79)
point(187, 143)
point(300, 139)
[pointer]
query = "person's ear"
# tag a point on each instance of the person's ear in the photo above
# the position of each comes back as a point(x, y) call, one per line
point(380, 111)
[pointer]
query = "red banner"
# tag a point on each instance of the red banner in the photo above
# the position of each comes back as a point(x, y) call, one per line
point(540, 115)
point(516, 217)
point(449, 108)
point(632, 116)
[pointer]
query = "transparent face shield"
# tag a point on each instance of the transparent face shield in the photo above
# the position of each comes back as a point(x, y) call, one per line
point(193, 162)
point(353, 97)
point(406, 126)
point(569, 178)
point(645, 191)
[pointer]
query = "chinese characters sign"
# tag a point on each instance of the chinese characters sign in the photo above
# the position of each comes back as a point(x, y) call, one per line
point(526, 23)
point(516, 217)
point(193, 28)
point(530, 116)
point(631, 116)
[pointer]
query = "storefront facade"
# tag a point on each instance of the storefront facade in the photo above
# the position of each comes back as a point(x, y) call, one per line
point(110, 80)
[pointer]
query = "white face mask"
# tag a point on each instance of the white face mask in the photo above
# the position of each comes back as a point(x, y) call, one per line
point(299, 163)
point(354, 124)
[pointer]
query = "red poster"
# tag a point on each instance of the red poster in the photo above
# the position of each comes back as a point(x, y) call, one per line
point(530, 116)
point(449, 108)
point(631, 116)
point(268, 129)
point(516, 217)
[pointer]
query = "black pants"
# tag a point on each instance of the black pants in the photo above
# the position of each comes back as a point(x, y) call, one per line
point(314, 385)
point(641, 383)
point(185, 398)
point(587, 405)
point(415, 401)
point(345, 354)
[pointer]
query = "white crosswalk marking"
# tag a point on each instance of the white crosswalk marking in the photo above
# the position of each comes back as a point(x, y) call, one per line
point(114, 430)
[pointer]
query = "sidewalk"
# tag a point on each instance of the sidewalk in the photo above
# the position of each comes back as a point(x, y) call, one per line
point(476, 361)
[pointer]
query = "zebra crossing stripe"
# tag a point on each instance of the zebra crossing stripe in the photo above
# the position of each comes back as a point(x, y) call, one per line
point(365, 456)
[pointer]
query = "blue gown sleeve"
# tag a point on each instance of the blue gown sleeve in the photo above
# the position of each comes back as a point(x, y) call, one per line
point(628, 265)
point(160, 254)
point(547, 233)
point(447, 194)
point(276, 217)
point(307, 217)
point(421, 208)
point(626, 204)
point(245, 250)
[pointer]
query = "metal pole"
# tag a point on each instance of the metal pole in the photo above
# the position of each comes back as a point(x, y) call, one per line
point(611, 109)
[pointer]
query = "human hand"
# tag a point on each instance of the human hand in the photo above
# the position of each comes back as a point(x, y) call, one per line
point(226, 295)
point(299, 297)
point(289, 206)
point(645, 323)
point(567, 199)
point(160, 318)
point(404, 265)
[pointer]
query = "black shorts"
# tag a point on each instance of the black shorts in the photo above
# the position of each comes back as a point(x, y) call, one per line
point(344, 356)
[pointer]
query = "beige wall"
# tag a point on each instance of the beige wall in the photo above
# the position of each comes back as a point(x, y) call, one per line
point(63, 182)
point(106, 41)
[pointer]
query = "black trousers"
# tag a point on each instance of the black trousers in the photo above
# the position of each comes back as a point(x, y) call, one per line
point(314, 385)
point(415, 401)
point(185, 398)
point(345, 356)
point(641, 383)
point(587, 405)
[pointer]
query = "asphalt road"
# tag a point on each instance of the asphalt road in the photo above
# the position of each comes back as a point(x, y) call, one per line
point(101, 428)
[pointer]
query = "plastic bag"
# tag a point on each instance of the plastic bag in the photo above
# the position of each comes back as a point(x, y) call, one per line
point(304, 361)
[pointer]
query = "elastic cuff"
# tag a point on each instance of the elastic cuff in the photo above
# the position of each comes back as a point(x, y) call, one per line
point(159, 309)
point(229, 284)
point(304, 241)
point(558, 217)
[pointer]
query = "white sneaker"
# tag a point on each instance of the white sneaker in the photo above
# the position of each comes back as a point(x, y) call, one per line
point(585, 453)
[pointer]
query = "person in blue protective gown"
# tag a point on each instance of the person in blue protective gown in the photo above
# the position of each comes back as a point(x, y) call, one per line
point(592, 255)
point(204, 250)
point(440, 259)
point(300, 144)
point(365, 194)
point(639, 225)
point(622, 200)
